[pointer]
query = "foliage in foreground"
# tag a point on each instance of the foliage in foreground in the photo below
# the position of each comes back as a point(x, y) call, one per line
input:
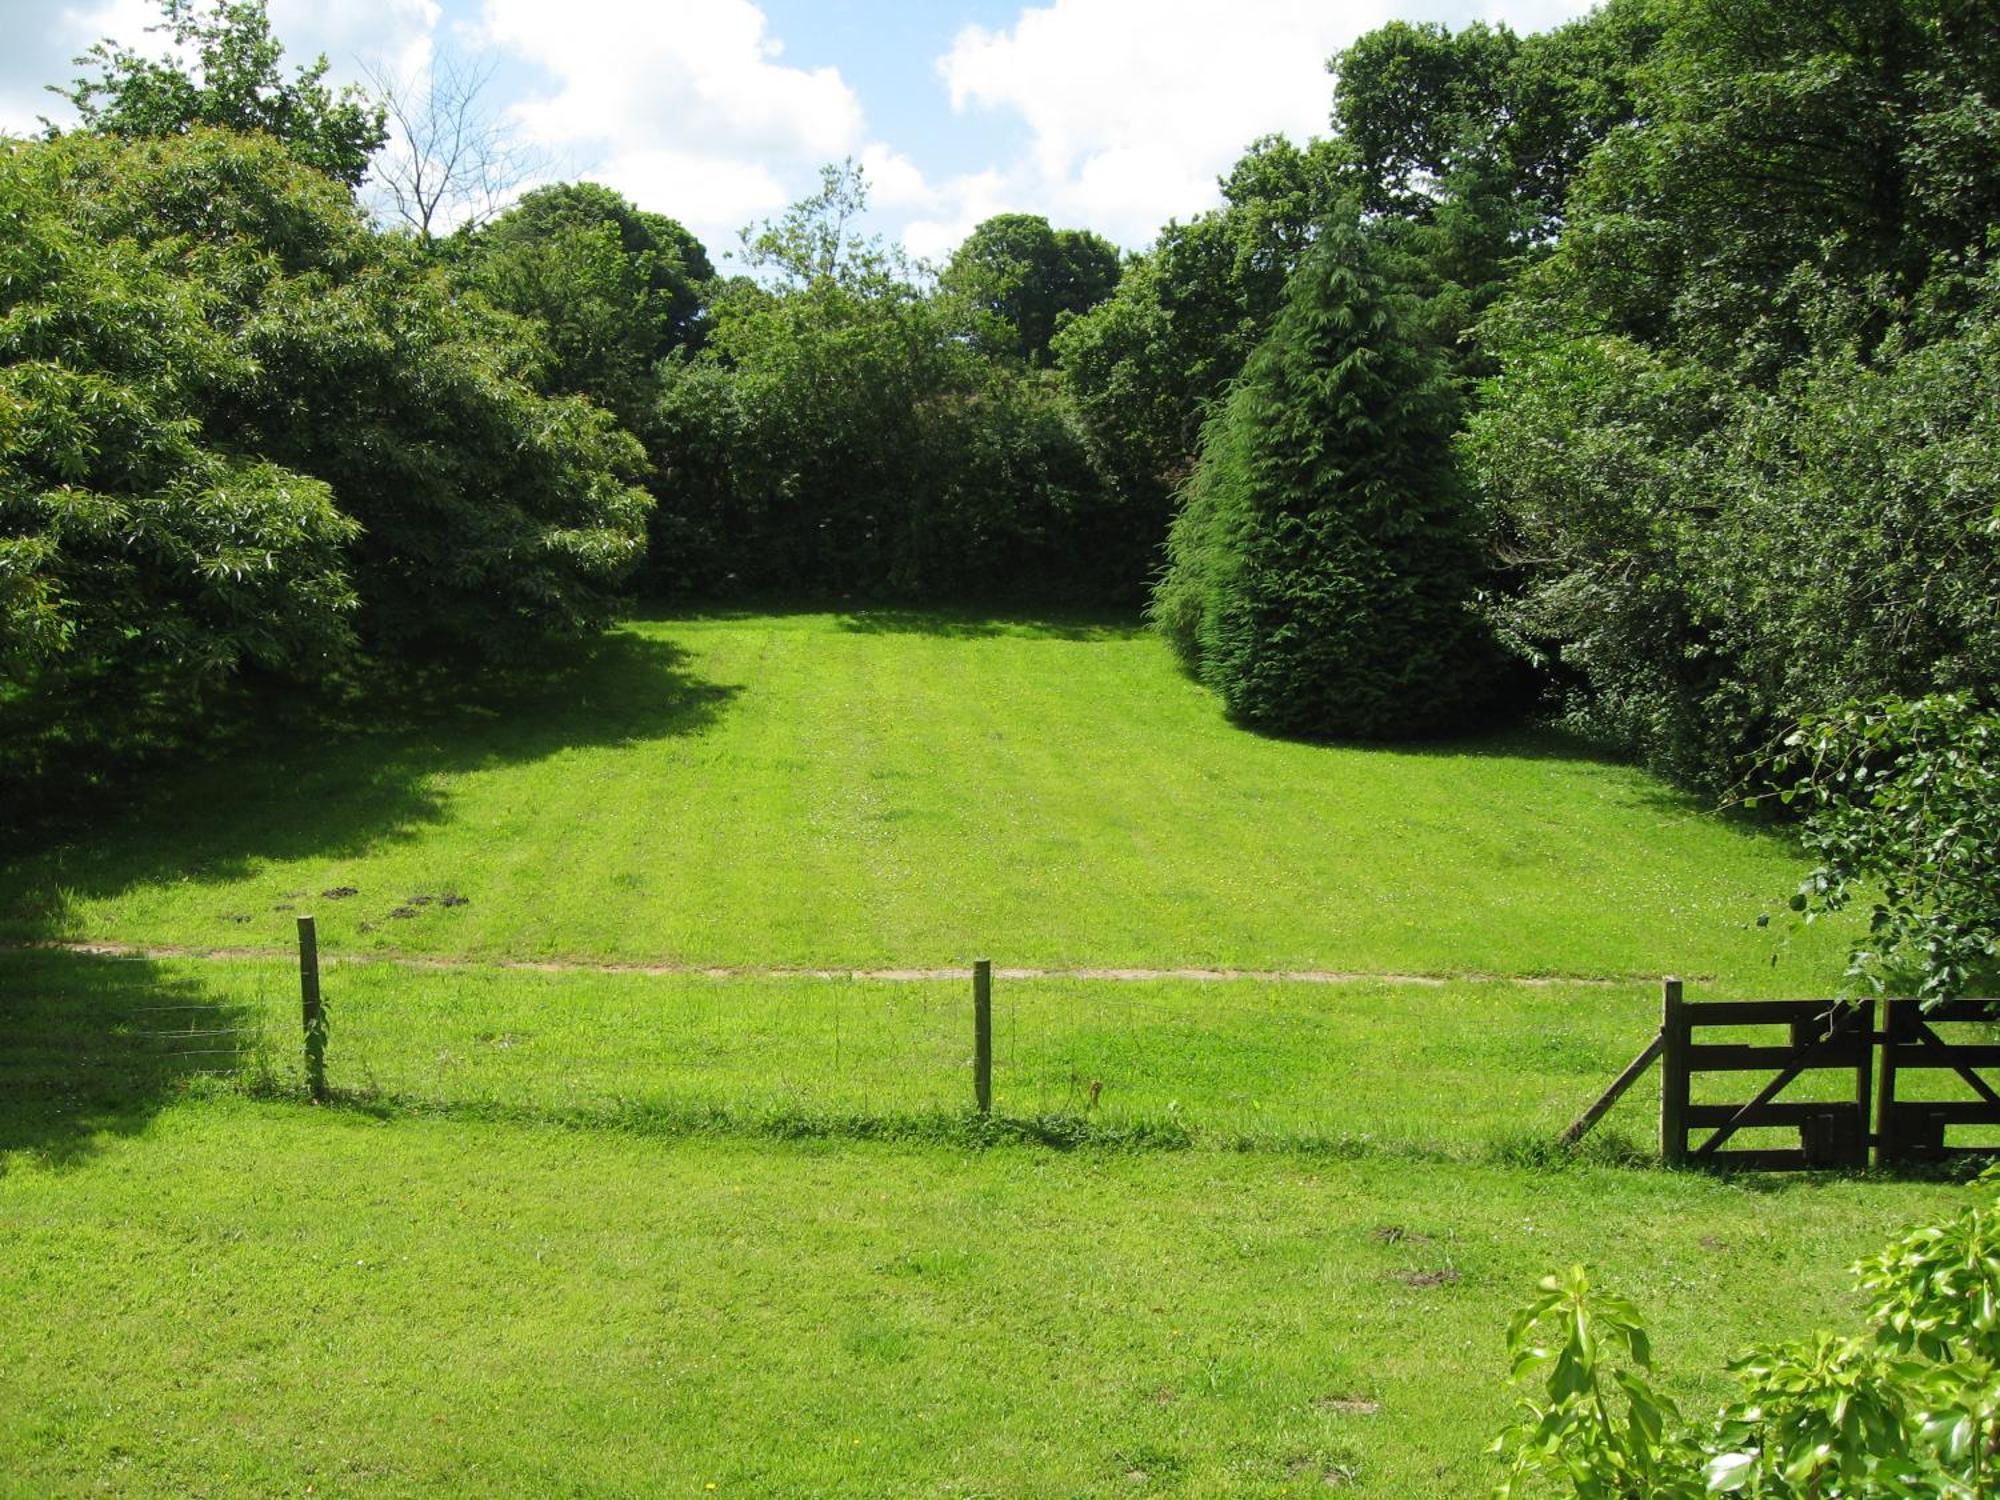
point(1910, 1409)
point(1323, 567)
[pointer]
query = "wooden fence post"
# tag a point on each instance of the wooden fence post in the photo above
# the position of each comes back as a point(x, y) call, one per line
point(1887, 1150)
point(314, 1012)
point(1673, 1076)
point(982, 1035)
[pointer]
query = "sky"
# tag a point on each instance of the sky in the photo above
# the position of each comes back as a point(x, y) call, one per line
point(1112, 115)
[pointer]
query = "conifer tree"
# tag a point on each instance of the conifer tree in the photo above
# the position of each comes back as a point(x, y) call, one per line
point(1322, 568)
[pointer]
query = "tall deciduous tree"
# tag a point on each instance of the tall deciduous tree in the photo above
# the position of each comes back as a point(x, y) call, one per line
point(1027, 277)
point(451, 161)
point(615, 289)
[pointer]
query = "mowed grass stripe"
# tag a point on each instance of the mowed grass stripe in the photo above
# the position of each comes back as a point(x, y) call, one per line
point(871, 791)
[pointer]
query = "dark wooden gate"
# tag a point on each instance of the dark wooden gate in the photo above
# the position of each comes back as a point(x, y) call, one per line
point(1868, 1110)
point(1823, 1035)
point(1913, 1130)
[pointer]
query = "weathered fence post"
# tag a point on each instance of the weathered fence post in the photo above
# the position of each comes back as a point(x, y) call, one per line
point(1895, 1029)
point(314, 1012)
point(1673, 1075)
point(982, 1034)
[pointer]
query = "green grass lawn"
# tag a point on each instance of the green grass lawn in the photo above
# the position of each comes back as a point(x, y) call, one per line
point(260, 1299)
point(587, 1232)
point(877, 789)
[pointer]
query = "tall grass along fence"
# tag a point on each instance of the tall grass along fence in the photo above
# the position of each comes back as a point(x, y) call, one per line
point(1442, 1071)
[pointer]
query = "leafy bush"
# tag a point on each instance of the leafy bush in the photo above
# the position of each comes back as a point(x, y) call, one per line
point(144, 558)
point(1909, 1409)
point(239, 431)
point(1323, 567)
point(1903, 804)
point(488, 513)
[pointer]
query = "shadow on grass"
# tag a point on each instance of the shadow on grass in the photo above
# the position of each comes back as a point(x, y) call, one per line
point(1512, 735)
point(91, 1048)
point(335, 778)
point(954, 625)
point(964, 622)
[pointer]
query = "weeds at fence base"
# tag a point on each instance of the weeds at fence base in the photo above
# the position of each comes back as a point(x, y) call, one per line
point(1536, 1150)
point(964, 1129)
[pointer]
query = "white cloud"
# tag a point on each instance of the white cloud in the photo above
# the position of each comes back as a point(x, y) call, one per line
point(1135, 107)
point(956, 208)
point(395, 36)
point(686, 108)
point(1134, 112)
point(42, 40)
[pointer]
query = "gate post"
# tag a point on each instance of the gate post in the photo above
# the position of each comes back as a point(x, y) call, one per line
point(1887, 1149)
point(1864, 1076)
point(1673, 1075)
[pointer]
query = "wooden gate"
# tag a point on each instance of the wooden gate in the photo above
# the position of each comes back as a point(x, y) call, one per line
point(1823, 1036)
point(1867, 1111)
point(1913, 1130)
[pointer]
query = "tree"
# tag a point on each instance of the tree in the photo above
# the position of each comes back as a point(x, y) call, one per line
point(147, 559)
point(490, 515)
point(450, 162)
point(1740, 456)
point(1851, 143)
point(1461, 146)
point(231, 81)
point(614, 289)
point(1144, 366)
point(1027, 277)
point(837, 364)
point(1322, 569)
point(1417, 106)
point(838, 435)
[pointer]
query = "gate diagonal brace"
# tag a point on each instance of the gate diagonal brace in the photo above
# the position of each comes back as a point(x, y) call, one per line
point(1838, 1024)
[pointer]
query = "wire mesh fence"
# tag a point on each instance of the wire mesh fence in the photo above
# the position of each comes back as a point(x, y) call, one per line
point(1460, 1069)
point(1449, 1070)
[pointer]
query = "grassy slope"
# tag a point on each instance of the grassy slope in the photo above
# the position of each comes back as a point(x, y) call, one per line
point(208, 1294)
point(258, 1299)
point(864, 790)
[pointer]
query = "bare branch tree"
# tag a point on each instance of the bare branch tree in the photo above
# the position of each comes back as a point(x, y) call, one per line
point(451, 159)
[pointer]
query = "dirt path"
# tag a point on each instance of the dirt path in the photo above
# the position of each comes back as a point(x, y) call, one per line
point(752, 971)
